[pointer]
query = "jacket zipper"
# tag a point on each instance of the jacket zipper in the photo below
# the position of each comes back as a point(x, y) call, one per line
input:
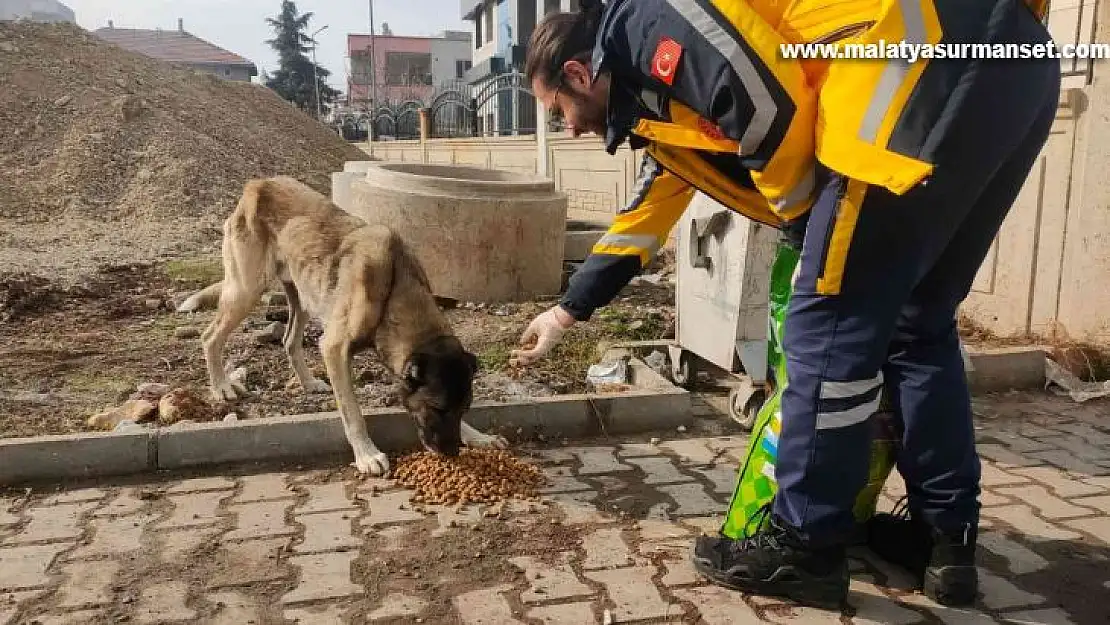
point(844, 32)
point(841, 191)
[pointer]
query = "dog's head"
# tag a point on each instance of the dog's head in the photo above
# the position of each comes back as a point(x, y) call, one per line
point(436, 389)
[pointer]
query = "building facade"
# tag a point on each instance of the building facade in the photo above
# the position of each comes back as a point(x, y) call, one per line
point(181, 47)
point(36, 11)
point(501, 30)
point(406, 68)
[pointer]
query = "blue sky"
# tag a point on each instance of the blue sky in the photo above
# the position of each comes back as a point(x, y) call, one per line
point(239, 25)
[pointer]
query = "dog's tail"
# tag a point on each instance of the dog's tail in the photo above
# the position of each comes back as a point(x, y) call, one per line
point(204, 299)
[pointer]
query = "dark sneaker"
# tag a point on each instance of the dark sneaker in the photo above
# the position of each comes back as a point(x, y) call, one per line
point(776, 564)
point(942, 564)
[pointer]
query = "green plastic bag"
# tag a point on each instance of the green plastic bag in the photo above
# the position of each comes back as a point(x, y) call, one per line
point(756, 485)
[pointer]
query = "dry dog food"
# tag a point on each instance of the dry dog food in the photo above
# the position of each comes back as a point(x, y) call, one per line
point(475, 476)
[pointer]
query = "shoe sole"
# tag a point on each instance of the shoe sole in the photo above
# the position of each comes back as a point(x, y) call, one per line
point(803, 589)
point(954, 586)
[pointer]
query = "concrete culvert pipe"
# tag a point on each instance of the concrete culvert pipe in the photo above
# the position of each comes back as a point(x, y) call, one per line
point(482, 235)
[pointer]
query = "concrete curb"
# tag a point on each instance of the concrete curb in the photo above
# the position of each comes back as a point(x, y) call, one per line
point(1006, 368)
point(654, 405)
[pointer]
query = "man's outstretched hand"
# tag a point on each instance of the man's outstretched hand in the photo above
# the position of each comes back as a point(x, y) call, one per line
point(543, 334)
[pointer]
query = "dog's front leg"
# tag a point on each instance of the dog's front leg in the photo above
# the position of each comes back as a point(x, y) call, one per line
point(472, 437)
point(294, 338)
point(337, 360)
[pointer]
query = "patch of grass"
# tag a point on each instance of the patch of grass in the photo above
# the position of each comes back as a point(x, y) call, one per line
point(108, 387)
point(196, 272)
point(493, 357)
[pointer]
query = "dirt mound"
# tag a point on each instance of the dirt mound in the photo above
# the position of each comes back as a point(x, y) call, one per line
point(109, 157)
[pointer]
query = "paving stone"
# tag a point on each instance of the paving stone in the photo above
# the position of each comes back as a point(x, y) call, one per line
point(706, 524)
point(1006, 459)
point(564, 614)
point(10, 604)
point(598, 460)
point(74, 496)
point(263, 487)
point(691, 451)
point(692, 500)
point(999, 593)
point(719, 606)
point(1019, 558)
point(124, 503)
point(1059, 482)
point(550, 582)
point(637, 450)
point(579, 508)
point(1045, 503)
point(7, 517)
point(991, 475)
point(948, 615)
point(392, 507)
point(193, 510)
point(990, 499)
point(52, 523)
point(1068, 461)
point(560, 480)
point(327, 531)
point(874, 607)
point(1017, 443)
point(734, 447)
point(233, 608)
point(605, 549)
point(680, 572)
point(25, 567)
point(1021, 518)
point(87, 584)
point(609, 484)
point(397, 605)
point(659, 470)
point(1099, 527)
point(723, 478)
point(316, 615)
point(1101, 504)
point(177, 545)
point(81, 617)
point(1050, 616)
point(260, 519)
point(201, 484)
point(633, 594)
point(894, 486)
point(1087, 433)
point(328, 497)
point(164, 602)
point(323, 576)
point(895, 577)
point(553, 456)
point(485, 607)
point(1082, 449)
point(393, 538)
point(112, 537)
point(660, 530)
point(449, 519)
point(249, 562)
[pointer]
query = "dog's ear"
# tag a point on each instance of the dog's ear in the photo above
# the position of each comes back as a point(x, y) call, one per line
point(414, 371)
point(472, 362)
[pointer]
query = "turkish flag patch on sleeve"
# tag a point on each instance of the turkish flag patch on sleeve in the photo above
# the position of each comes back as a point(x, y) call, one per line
point(665, 62)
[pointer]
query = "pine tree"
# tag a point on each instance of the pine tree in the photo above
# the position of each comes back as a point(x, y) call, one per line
point(293, 80)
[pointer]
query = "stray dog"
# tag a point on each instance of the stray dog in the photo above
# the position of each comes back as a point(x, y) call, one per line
point(368, 289)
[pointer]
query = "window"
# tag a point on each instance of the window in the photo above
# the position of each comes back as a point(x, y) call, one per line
point(488, 17)
point(478, 31)
point(550, 6)
point(461, 66)
point(408, 68)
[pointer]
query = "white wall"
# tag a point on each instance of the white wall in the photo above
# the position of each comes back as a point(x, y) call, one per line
point(445, 52)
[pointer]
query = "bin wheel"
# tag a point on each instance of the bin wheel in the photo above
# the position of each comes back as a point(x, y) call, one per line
point(744, 402)
point(683, 371)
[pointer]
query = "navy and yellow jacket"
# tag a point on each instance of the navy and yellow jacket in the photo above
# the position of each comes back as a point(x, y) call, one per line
point(702, 88)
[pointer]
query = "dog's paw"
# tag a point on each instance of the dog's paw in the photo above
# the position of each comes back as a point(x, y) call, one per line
point(375, 464)
point(228, 391)
point(317, 386)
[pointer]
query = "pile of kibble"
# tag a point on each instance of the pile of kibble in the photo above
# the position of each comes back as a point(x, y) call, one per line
point(474, 476)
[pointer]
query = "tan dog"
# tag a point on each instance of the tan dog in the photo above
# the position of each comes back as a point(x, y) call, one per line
point(367, 288)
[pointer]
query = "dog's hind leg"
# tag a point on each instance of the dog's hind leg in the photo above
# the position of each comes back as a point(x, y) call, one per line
point(336, 349)
point(294, 338)
point(244, 281)
point(474, 438)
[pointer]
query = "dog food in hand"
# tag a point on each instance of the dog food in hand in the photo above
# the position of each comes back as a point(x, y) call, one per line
point(475, 476)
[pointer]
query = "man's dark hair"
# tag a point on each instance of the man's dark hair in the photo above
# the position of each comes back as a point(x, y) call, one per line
point(562, 37)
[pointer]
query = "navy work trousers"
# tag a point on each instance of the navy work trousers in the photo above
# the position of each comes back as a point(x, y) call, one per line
point(906, 265)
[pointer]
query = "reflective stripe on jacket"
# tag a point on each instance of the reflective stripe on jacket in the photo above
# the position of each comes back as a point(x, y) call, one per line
point(702, 87)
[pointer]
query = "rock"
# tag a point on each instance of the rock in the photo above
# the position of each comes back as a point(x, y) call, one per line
point(150, 391)
point(271, 334)
point(64, 100)
point(231, 418)
point(8, 46)
point(278, 314)
point(681, 429)
point(127, 424)
point(186, 332)
point(182, 404)
point(135, 410)
point(274, 299)
point(152, 303)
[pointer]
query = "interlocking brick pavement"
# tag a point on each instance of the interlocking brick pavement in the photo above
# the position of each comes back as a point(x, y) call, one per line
point(611, 534)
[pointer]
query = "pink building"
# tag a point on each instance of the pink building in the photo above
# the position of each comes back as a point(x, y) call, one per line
point(406, 68)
